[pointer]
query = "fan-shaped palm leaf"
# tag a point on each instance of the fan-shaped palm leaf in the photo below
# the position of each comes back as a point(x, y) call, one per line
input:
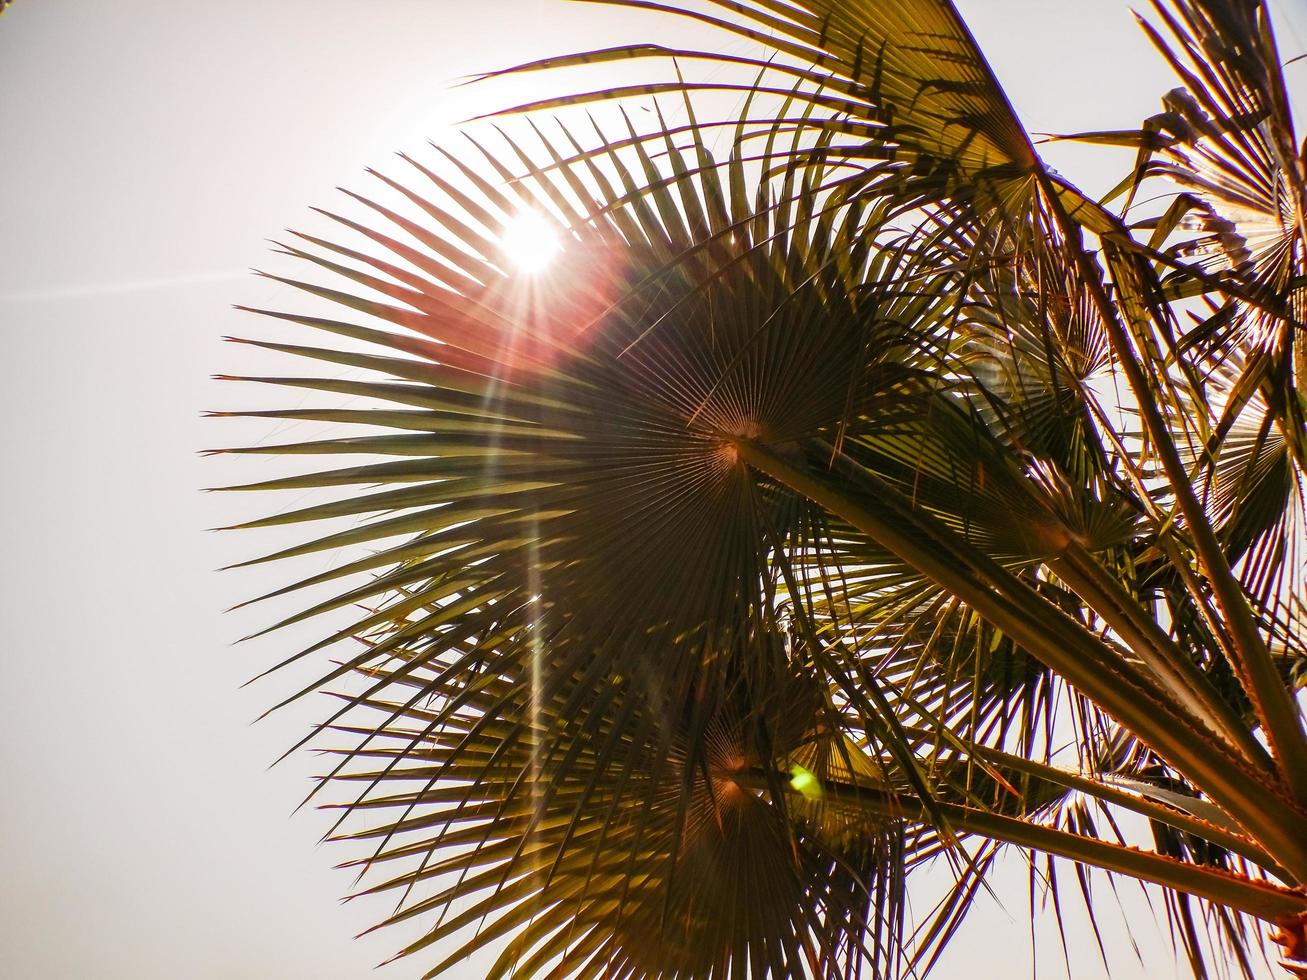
point(742, 562)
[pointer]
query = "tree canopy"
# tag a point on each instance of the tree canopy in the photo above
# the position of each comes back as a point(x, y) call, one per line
point(851, 493)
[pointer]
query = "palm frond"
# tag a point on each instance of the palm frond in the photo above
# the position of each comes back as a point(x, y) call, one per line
point(768, 548)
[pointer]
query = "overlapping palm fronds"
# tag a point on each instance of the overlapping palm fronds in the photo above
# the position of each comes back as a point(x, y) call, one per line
point(778, 539)
point(1227, 137)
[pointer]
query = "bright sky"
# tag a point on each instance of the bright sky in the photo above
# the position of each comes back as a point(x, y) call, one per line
point(148, 148)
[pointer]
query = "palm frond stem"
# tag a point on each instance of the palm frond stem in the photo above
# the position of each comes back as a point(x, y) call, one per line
point(1260, 898)
point(1109, 681)
point(1274, 704)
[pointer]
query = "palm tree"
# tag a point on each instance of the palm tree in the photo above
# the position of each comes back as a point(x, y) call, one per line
point(783, 537)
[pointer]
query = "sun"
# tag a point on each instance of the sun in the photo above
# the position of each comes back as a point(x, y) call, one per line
point(530, 242)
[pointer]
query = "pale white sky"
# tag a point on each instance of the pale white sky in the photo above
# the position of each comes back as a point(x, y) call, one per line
point(147, 149)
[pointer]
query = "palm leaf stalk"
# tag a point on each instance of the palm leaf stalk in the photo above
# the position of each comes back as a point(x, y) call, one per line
point(776, 543)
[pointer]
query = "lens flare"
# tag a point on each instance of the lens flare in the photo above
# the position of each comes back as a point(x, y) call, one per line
point(530, 242)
